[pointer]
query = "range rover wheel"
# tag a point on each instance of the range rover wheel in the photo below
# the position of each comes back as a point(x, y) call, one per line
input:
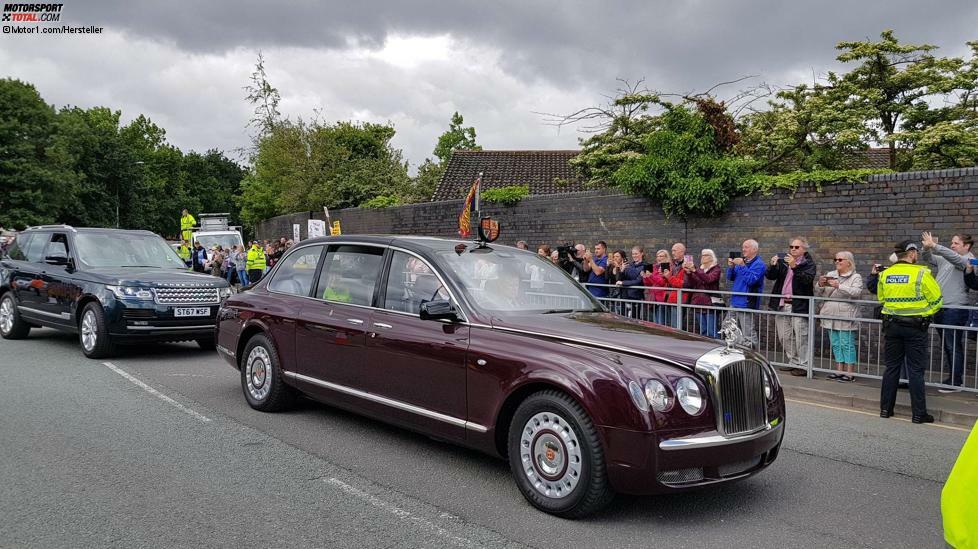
point(93, 333)
point(261, 376)
point(12, 326)
point(556, 456)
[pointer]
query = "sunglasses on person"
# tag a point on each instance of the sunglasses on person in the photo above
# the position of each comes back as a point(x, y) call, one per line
point(838, 259)
point(795, 247)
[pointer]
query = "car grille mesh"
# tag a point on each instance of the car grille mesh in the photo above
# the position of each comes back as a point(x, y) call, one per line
point(741, 391)
point(187, 296)
point(680, 476)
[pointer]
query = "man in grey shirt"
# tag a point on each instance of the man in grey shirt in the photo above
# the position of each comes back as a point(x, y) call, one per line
point(951, 264)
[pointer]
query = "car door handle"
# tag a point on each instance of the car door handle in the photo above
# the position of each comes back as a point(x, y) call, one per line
point(356, 321)
point(382, 325)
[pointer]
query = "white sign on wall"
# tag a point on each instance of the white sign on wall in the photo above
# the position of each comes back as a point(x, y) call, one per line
point(295, 232)
point(317, 228)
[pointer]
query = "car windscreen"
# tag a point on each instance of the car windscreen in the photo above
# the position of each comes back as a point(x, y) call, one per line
point(514, 281)
point(96, 250)
point(225, 241)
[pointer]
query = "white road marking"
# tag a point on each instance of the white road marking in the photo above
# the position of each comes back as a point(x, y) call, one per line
point(199, 417)
point(853, 410)
point(406, 516)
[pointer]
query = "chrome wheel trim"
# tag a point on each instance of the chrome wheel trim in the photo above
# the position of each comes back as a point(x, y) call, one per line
point(6, 315)
point(551, 455)
point(258, 373)
point(89, 330)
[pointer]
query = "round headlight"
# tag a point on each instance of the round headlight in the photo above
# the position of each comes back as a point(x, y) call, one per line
point(658, 396)
point(637, 397)
point(689, 396)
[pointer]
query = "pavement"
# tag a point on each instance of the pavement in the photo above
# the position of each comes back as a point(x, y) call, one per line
point(158, 448)
point(864, 394)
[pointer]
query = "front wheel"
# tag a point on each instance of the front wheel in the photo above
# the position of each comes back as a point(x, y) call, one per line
point(94, 334)
point(556, 456)
point(12, 326)
point(261, 377)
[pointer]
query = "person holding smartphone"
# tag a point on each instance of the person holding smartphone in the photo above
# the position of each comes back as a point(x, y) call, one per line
point(793, 274)
point(706, 277)
point(845, 285)
point(746, 271)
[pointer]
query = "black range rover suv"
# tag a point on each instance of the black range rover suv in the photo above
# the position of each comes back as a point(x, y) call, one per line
point(109, 286)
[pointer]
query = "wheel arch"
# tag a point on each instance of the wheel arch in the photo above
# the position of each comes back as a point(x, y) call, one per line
point(516, 397)
point(248, 332)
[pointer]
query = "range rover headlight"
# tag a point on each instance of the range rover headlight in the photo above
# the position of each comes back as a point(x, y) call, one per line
point(224, 293)
point(130, 292)
point(637, 397)
point(689, 396)
point(658, 396)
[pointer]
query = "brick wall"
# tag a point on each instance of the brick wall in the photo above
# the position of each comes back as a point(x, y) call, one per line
point(864, 218)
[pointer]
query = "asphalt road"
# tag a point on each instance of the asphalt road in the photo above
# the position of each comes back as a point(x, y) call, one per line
point(157, 448)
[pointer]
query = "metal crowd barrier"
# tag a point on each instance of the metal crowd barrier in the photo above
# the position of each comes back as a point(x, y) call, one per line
point(761, 333)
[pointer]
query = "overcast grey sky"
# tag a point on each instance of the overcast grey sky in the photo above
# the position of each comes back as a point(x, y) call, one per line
point(414, 63)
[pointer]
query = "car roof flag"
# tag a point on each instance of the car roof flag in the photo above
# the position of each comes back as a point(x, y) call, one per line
point(471, 206)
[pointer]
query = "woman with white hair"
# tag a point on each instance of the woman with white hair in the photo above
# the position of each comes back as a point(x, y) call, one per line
point(844, 283)
point(706, 277)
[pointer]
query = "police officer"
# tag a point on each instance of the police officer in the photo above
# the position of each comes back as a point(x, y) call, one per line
point(910, 297)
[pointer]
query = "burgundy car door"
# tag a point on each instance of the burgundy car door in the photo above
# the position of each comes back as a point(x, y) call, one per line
point(331, 329)
point(417, 362)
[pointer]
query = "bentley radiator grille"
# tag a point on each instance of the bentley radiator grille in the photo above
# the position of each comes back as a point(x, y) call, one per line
point(187, 296)
point(741, 391)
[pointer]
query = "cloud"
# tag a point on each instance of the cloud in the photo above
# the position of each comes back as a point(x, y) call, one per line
point(415, 63)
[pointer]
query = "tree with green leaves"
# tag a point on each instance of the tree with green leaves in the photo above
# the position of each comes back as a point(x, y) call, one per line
point(458, 137)
point(264, 98)
point(32, 174)
point(683, 166)
point(892, 80)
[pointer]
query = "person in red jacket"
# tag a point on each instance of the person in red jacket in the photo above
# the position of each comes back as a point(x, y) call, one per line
point(706, 277)
point(654, 277)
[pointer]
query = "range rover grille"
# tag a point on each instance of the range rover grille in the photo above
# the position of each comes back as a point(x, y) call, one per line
point(187, 296)
point(743, 407)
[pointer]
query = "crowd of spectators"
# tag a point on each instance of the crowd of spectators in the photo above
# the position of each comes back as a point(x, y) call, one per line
point(645, 285)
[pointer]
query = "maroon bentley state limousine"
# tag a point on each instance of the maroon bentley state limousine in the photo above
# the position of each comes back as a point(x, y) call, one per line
point(500, 350)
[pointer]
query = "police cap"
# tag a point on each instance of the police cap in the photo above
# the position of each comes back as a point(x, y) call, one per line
point(906, 246)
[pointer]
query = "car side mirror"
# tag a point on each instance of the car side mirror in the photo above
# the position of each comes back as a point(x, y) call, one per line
point(56, 258)
point(441, 309)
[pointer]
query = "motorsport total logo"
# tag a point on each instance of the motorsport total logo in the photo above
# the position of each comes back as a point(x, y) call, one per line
point(32, 13)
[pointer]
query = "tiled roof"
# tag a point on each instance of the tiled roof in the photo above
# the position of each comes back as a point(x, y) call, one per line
point(550, 172)
point(870, 158)
point(545, 172)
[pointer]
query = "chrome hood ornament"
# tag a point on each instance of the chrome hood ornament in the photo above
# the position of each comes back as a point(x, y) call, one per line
point(731, 333)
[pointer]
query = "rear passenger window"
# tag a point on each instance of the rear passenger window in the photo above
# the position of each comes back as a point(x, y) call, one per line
point(350, 274)
point(410, 283)
point(34, 250)
point(295, 274)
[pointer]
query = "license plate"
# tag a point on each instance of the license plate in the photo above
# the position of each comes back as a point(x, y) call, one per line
point(192, 311)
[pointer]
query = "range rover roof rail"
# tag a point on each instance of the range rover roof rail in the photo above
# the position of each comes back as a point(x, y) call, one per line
point(62, 226)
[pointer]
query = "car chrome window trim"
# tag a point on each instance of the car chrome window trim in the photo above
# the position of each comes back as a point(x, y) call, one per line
point(716, 440)
point(60, 316)
point(431, 414)
point(441, 279)
point(462, 320)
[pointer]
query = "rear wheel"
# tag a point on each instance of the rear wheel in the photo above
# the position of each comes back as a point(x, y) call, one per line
point(556, 456)
point(94, 334)
point(261, 377)
point(12, 326)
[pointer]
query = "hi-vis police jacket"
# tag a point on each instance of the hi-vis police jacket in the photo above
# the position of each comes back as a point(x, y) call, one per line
point(906, 289)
